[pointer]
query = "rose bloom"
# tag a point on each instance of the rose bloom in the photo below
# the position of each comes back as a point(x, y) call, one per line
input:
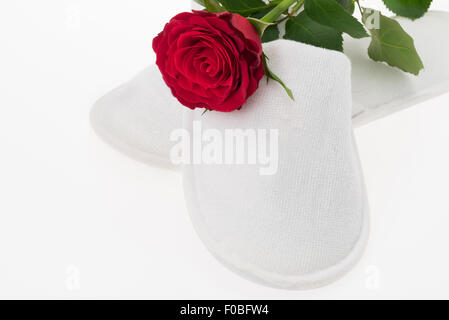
point(209, 60)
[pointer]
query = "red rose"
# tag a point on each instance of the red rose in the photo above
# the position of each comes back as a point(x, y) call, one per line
point(208, 60)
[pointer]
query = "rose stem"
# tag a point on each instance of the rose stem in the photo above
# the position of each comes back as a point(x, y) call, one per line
point(277, 11)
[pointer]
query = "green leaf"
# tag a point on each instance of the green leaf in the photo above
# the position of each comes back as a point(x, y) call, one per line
point(200, 2)
point(348, 5)
point(245, 7)
point(412, 9)
point(270, 75)
point(271, 33)
point(260, 25)
point(391, 44)
point(261, 13)
point(213, 6)
point(331, 14)
point(303, 29)
point(242, 4)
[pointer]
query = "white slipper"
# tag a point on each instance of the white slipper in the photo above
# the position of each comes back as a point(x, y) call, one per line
point(138, 117)
point(305, 225)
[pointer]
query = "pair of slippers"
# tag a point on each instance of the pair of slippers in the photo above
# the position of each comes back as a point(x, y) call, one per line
point(306, 225)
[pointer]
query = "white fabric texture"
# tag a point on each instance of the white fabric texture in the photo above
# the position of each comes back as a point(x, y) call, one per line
point(138, 117)
point(306, 225)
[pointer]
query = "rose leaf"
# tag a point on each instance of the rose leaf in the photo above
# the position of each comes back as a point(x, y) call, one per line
point(391, 44)
point(348, 5)
point(243, 7)
point(330, 13)
point(260, 25)
point(412, 9)
point(303, 29)
point(271, 33)
point(213, 6)
point(270, 75)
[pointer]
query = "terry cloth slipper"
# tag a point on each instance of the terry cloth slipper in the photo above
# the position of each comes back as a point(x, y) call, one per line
point(137, 117)
point(297, 218)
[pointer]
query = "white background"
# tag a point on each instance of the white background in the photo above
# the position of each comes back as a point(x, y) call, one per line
point(79, 220)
